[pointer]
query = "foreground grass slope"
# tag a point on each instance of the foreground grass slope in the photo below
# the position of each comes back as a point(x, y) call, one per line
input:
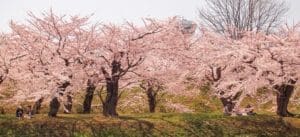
point(169, 124)
point(205, 121)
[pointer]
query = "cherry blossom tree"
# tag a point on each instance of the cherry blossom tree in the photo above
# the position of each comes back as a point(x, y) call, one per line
point(237, 68)
point(160, 73)
point(121, 52)
point(151, 87)
point(53, 43)
point(157, 76)
point(125, 51)
point(94, 80)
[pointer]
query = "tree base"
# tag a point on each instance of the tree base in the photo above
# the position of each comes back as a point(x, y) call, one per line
point(54, 106)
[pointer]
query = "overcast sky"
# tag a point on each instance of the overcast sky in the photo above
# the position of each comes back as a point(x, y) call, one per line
point(115, 11)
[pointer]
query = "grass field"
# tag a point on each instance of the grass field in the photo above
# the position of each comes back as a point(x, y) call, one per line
point(206, 120)
point(161, 124)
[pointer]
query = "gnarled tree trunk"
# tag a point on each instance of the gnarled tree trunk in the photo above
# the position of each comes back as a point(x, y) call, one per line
point(37, 106)
point(2, 110)
point(283, 96)
point(151, 100)
point(111, 100)
point(54, 106)
point(112, 89)
point(151, 87)
point(112, 81)
point(68, 104)
point(88, 96)
point(54, 103)
point(228, 105)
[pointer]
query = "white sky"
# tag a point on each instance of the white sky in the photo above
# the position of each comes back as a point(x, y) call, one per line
point(115, 11)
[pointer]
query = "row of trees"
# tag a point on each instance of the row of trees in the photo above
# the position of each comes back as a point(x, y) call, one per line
point(52, 56)
point(56, 54)
point(236, 69)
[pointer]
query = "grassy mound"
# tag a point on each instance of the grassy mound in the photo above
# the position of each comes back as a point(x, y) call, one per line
point(168, 124)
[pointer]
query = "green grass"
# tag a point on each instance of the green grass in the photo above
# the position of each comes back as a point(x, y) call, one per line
point(205, 122)
point(159, 124)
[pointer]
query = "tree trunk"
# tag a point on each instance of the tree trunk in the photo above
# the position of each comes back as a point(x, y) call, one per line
point(88, 97)
point(2, 110)
point(111, 100)
point(68, 104)
point(54, 103)
point(37, 106)
point(151, 100)
point(112, 89)
point(228, 105)
point(54, 106)
point(283, 96)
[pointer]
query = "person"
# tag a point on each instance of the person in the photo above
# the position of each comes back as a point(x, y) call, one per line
point(19, 112)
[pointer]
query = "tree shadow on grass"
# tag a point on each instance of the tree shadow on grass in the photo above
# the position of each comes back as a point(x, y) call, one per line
point(172, 128)
point(145, 128)
point(192, 125)
point(33, 129)
point(258, 125)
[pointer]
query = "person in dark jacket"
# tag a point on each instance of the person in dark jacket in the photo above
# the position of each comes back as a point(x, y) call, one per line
point(19, 112)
